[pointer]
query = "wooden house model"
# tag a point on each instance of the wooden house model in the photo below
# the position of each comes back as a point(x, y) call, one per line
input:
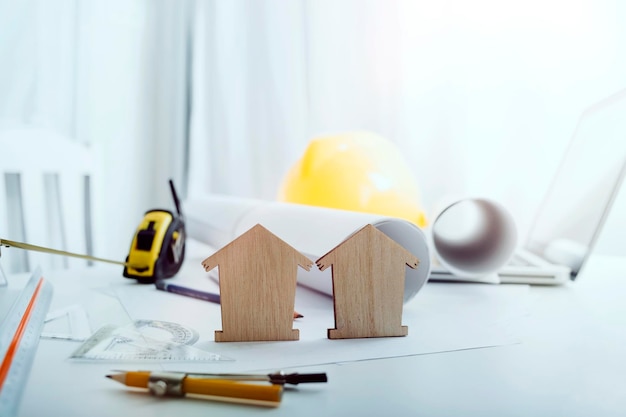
point(368, 272)
point(257, 276)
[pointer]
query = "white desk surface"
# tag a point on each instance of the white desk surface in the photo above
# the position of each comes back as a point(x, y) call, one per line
point(570, 362)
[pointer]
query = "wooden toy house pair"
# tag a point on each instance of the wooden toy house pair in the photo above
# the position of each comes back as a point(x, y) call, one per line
point(258, 277)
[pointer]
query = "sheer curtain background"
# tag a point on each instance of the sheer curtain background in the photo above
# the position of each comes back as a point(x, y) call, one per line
point(223, 96)
point(482, 97)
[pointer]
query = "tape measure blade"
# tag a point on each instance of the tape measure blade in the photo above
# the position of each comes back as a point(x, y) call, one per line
point(17, 363)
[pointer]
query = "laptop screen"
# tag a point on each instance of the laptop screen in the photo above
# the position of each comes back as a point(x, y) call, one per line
point(588, 179)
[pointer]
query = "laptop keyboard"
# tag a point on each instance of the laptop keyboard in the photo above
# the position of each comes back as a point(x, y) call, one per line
point(517, 260)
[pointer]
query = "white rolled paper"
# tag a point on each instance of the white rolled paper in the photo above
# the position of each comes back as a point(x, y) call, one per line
point(474, 237)
point(217, 220)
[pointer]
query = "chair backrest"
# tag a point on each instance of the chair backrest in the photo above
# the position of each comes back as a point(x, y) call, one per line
point(45, 181)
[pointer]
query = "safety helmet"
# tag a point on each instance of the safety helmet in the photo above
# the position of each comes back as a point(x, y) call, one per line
point(358, 171)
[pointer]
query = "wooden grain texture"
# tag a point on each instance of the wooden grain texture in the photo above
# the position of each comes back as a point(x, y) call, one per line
point(257, 275)
point(368, 272)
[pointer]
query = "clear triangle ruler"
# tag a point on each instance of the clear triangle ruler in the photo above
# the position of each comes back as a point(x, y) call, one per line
point(76, 320)
point(144, 340)
point(19, 337)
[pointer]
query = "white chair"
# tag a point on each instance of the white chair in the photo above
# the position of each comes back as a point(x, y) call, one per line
point(45, 185)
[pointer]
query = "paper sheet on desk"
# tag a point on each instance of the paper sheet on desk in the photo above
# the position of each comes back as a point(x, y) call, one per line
point(443, 318)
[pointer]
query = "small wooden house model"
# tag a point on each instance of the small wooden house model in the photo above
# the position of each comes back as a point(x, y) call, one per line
point(368, 272)
point(257, 275)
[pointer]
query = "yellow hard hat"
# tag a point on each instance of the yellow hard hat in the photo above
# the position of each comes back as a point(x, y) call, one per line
point(358, 171)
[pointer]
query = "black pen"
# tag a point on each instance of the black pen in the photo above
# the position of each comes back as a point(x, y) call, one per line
point(201, 295)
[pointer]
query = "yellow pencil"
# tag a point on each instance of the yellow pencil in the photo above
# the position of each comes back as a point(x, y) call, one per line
point(179, 384)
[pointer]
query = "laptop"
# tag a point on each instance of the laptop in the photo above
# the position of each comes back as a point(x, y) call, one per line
point(570, 218)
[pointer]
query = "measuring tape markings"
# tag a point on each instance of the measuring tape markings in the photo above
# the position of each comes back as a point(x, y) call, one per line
point(19, 337)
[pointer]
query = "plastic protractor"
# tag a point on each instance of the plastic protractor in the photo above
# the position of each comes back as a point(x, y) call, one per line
point(164, 330)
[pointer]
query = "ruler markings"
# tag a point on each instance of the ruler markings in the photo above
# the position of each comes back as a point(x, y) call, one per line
point(19, 338)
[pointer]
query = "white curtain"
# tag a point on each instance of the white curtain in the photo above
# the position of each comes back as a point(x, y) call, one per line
point(482, 97)
point(250, 105)
point(132, 95)
point(37, 63)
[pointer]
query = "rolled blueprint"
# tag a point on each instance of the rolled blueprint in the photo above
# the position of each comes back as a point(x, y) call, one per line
point(473, 238)
point(216, 220)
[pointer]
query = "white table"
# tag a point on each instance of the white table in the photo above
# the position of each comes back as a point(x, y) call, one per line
point(570, 362)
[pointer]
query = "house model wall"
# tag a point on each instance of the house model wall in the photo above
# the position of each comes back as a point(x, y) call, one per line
point(368, 272)
point(257, 275)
